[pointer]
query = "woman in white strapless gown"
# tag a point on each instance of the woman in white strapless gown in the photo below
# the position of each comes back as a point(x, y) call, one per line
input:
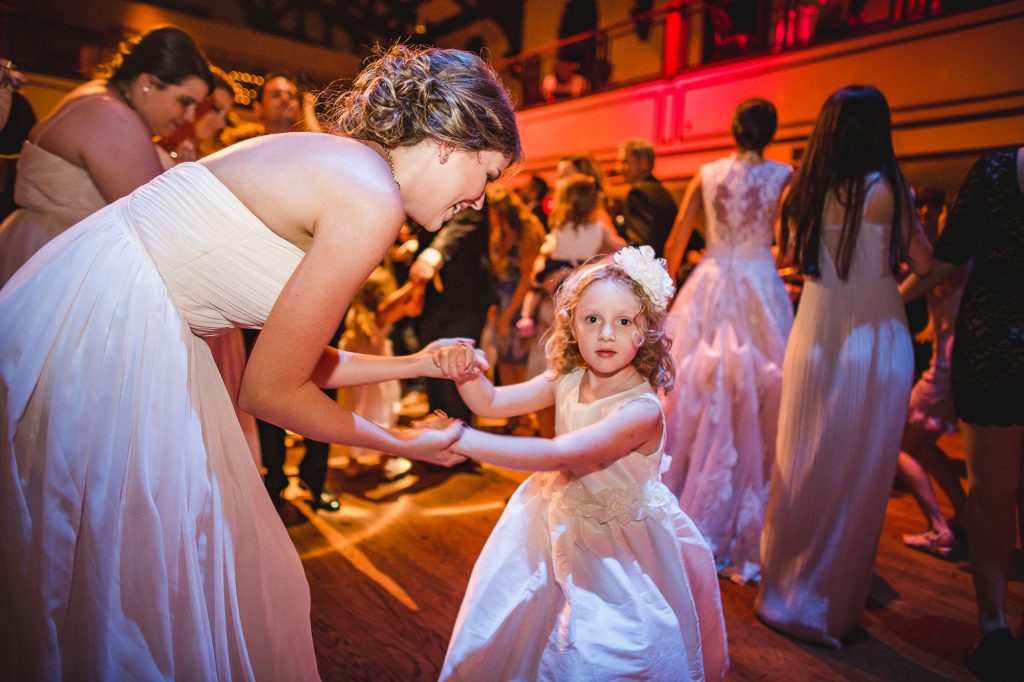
point(96, 146)
point(846, 375)
point(728, 327)
point(138, 540)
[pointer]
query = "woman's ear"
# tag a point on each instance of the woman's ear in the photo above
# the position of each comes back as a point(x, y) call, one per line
point(444, 150)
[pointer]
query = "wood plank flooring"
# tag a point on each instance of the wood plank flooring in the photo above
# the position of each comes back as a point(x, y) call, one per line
point(387, 574)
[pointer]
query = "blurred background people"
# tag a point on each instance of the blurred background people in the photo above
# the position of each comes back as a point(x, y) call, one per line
point(16, 120)
point(452, 268)
point(564, 82)
point(986, 228)
point(931, 414)
point(197, 138)
point(649, 209)
point(96, 145)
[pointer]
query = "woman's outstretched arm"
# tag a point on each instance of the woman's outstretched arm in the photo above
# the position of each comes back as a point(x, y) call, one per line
point(341, 369)
point(345, 193)
point(466, 365)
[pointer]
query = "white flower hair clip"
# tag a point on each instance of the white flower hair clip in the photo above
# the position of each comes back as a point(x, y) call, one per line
point(649, 272)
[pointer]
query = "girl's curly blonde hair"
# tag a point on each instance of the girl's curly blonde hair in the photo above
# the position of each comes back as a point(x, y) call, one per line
point(408, 93)
point(652, 360)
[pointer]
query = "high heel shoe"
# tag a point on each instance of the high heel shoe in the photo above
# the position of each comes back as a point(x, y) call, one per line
point(931, 542)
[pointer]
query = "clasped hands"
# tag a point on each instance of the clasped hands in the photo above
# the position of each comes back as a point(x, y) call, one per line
point(459, 360)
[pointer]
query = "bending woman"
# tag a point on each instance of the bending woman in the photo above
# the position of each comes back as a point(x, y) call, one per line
point(139, 542)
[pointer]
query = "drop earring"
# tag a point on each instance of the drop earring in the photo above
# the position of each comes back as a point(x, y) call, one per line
point(145, 89)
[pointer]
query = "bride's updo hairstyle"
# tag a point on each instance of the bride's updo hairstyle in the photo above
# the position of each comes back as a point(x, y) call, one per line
point(407, 93)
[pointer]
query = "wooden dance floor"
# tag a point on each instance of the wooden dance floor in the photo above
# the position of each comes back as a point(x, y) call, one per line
point(388, 571)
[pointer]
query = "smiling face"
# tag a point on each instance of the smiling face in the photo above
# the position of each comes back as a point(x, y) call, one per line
point(606, 324)
point(454, 185)
point(164, 106)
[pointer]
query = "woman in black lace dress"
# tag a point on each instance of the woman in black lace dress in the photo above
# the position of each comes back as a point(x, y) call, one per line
point(986, 226)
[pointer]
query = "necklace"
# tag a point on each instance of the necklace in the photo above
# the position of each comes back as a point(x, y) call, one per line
point(391, 164)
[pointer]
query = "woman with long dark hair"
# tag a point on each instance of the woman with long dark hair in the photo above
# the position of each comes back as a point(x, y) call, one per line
point(847, 224)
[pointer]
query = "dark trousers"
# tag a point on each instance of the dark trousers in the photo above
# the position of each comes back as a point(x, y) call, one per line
point(312, 467)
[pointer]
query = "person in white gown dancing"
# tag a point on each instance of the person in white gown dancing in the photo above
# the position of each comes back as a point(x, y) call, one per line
point(728, 327)
point(592, 572)
point(847, 224)
point(138, 540)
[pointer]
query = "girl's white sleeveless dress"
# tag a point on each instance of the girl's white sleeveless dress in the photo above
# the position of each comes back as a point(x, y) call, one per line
point(594, 576)
point(138, 540)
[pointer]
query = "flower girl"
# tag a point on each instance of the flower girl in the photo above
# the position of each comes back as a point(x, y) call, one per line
point(592, 572)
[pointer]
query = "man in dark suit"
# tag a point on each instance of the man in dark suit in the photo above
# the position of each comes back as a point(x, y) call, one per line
point(649, 209)
point(454, 267)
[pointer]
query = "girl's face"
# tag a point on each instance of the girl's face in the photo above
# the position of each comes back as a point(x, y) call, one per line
point(605, 324)
point(164, 106)
point(209, 125)
point(454, 185)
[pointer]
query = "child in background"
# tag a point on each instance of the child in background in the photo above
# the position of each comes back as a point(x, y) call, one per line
point(931, 413)
point(592, 572)
point(370, 316)
point(577, 235)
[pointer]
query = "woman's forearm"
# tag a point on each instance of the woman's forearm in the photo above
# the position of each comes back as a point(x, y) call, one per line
point(916, 286)
point(340, 369)
point(310, 412)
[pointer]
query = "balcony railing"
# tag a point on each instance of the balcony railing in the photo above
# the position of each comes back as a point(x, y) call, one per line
point(689, 34)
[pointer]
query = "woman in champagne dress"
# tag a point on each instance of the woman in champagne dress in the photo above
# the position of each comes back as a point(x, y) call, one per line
point(138, 540)
point(96, 146)
point(847, 371)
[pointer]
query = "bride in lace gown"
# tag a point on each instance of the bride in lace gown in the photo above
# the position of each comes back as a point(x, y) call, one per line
point(847, 371)
point(728, 327)
point(138, 539)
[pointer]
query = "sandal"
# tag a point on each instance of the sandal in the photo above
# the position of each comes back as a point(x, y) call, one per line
point(930, 542)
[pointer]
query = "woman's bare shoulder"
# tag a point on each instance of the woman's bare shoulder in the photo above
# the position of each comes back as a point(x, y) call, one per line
point(301, 182)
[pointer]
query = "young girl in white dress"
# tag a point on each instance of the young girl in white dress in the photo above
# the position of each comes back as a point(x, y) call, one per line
point(592, 572)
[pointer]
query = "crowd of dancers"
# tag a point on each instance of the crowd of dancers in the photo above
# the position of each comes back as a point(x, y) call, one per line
point(678, 437)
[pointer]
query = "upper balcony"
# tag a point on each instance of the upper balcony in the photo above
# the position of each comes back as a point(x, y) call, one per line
point(673, 75)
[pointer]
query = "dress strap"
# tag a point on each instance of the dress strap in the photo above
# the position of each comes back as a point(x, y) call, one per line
point(70, 106)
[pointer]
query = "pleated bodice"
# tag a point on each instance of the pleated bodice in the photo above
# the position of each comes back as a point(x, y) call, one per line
point(222, 266)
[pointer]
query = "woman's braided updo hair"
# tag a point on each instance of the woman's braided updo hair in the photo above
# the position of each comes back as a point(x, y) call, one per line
point(409, 93)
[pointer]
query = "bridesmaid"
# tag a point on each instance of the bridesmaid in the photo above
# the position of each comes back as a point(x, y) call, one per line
point(97, 145)
point(847, 224)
